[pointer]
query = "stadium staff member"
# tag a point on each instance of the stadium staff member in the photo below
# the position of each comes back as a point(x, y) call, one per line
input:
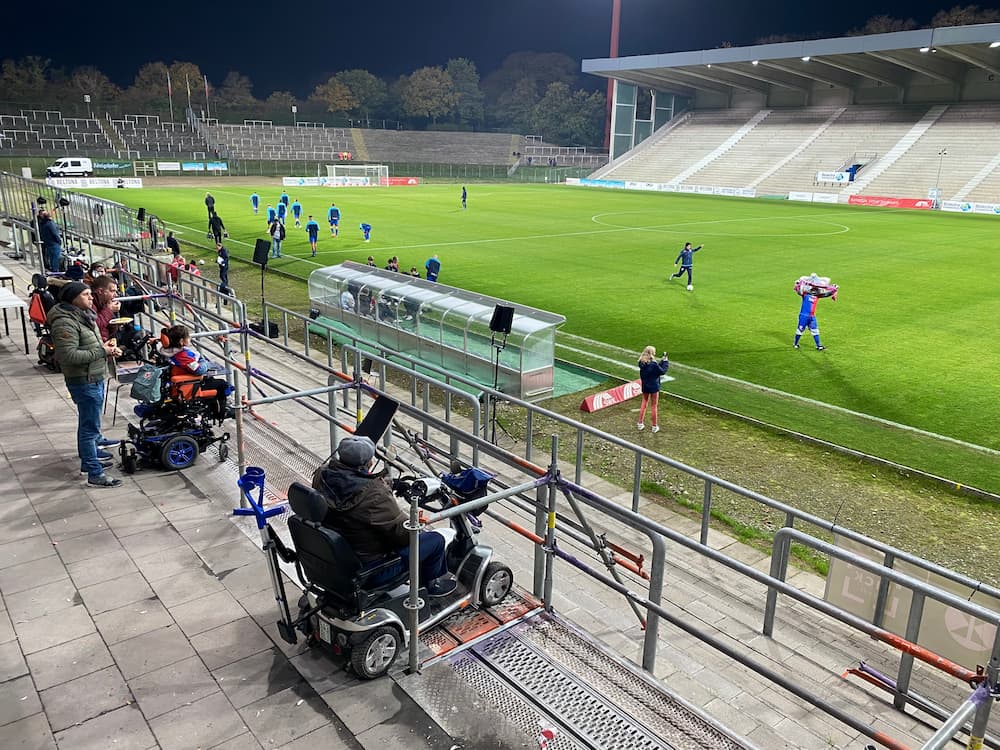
point(83, 359)
point(433, 268)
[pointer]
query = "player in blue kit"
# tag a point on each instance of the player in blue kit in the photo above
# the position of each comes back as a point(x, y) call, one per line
point(366, 229)
point(283, 198)
point(312, 229)
point(271, 214)
point(333, 216)
point(297, 212)
point(282, 211)
point(255, 202)
point(811, 289)
point(686, 258)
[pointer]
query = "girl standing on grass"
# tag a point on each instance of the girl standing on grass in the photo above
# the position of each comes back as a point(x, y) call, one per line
point(650, 372)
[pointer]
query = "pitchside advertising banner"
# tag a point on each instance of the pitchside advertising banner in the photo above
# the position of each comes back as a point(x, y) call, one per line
point(81, 183)
point(168, 166)
point(923, 204)
point(664, 187)
point(343, 181)
point(965, 207)
point(833, 177)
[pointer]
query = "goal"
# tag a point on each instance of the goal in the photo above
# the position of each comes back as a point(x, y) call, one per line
point(357, 175)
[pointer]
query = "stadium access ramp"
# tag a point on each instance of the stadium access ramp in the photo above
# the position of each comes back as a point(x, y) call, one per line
point(512, 686)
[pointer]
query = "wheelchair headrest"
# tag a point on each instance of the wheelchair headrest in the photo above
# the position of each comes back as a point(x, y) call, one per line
point(306, 502)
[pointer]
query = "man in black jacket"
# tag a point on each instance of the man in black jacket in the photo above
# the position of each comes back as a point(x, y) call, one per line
point(362, 509)
point(216, 227)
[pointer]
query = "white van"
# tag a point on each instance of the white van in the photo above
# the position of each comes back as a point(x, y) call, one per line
point(71, 166)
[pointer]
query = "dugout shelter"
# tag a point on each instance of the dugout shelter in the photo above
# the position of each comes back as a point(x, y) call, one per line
point(442, 325)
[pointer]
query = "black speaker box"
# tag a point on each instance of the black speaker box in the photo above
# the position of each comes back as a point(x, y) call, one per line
point(272, 329)
point(260, 252)
point(502, 318)
point(141, 216)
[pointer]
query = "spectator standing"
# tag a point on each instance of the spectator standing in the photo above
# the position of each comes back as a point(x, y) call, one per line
point(433, 268)
point(105, 306)
point(686, 258)
point(371, 261)
point(210, 205)
point(173, 245)
point(48, 233)
point(650, 372)
point(83, 359)
point(277, 232)
point(333, 217)
point(222, 258)
point(312, 230)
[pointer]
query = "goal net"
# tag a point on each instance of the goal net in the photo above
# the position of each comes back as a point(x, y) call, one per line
point(357, 175)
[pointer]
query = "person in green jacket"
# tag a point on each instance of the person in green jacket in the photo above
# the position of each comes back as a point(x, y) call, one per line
point(83, 358)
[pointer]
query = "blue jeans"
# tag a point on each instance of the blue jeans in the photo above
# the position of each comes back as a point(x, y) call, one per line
point(53, 256)
point(275, 248)
point(89, 399)
point(433, 563)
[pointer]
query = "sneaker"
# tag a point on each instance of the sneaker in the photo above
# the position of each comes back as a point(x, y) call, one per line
point(796, 346)
point(690, 288)
point(656, 428)
point(104, 462)
point(104, 456)
point(103, 480)
point(820, 348)
point(442, 586)
point(107, 442)
point(640, 426)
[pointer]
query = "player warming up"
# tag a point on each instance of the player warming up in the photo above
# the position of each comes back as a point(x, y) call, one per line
point(811, 289)
point(465, 196)
point(297, 213)
point(686, 258)
point(312, 229)
point(255, 202)
point(333, 217)
point(271, 214)
point(366, 229)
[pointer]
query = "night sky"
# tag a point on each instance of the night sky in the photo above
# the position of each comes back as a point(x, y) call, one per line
point(294, 45)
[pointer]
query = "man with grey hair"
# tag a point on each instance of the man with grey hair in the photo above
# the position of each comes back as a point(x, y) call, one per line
point(362, 509)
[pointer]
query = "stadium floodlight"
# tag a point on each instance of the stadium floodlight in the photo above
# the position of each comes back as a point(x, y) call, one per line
point(806, 58)
point(755, 62)
point(994, 45)
point(925, 50)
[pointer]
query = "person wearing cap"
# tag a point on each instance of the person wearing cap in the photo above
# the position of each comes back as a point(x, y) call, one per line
point(362, 509)
point(82, 356)
point(48, 233)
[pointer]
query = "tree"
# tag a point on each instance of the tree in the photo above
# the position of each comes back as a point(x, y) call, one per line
point(91, 81)
point(235, 93)
point(514, 109)
point(335, 96)
point(27, 78)
point(883, 25)
point(569, 117)
point(540, 68)
point(429, 92)
point(279, 105)
point(469, 108)
point(369, 91)
point(148, 92)
point(964, 16)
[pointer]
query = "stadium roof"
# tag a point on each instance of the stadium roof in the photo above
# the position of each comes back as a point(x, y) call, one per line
point(897, 59)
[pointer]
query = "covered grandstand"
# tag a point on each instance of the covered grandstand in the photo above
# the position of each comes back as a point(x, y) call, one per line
point(913, 113)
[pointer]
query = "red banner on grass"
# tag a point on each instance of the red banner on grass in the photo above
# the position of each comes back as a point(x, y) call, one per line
point(616, 395)
point(404, 181)
point(925, 204)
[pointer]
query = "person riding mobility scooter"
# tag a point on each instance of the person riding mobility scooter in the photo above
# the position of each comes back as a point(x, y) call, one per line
point(355, 602)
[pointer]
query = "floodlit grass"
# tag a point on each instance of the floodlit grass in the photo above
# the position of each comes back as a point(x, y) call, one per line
point(912, 338)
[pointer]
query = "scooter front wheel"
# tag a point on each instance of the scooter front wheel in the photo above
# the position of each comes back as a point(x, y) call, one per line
point(498, 580)
point(375, 654)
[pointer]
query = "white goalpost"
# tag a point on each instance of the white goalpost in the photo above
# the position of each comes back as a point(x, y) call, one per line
point(358, 175)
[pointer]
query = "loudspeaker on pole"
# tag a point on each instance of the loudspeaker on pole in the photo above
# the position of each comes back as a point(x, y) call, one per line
point(502, 318)
point(141, 215)
point(261, 251)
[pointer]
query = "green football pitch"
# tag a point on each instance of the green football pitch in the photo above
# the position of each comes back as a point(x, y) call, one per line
point(912, 338)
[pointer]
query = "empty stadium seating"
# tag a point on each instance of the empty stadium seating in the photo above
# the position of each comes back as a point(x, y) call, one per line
point(146, 136)
point(261, 140)
point(410, 146)
point(35, 132)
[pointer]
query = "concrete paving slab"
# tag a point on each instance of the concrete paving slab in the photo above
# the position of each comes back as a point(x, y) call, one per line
point(7, 633)
point(366, 704)
point(244, 742)
point(121, 729)
point(41, 600)
point(151, 542)
point(210, 532)
point(108, 595)
point(136, 522)
point(32, 574)
point(165, 563)
point(184, 587)
point(102, 568)
point(84, 698)
point(30, 733)
point(89, 545)
point(78, 524)
point(255, 677)
point(286, 716)
point(328, 737)
point(25, 550)
point(69, 660)
point(132, 620)
point(170, 687)
point(151, 650)
point(206, 722)
point(18, 699)
point(207, 612)
point(51, 630)
point(230, 642)
point(12, 662)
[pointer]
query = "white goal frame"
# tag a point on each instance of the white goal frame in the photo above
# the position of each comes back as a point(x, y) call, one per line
point(358, 175)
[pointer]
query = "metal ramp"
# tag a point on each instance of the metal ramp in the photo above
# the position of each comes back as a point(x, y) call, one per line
point(502, 689)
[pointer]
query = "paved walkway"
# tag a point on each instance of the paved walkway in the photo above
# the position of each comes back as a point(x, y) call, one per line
point(142, 616)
